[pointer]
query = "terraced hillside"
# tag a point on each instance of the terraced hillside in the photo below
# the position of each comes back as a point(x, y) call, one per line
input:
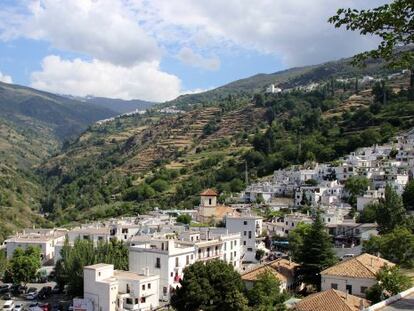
point(140, 162)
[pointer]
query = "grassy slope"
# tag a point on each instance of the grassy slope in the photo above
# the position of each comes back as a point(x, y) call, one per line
point(33, 125)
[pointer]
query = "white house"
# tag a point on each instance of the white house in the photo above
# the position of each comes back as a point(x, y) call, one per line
point(273, 89)
point(164, 257)
point(370, 196)
point(45, 239)
point(251, 228)
point(116, 290)
point(354, 275)
point(168, 257)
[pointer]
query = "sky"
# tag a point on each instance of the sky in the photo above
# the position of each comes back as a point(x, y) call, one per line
point(159, 49)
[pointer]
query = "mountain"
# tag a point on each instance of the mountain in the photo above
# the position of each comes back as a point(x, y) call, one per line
point(119, 105)
point(135, 163)
point(66, 117)
point(33, 126)
point(285, 79)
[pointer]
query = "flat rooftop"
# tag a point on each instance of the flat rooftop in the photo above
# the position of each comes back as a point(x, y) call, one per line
point(405, 303)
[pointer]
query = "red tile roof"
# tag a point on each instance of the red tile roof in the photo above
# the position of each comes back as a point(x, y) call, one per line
point(331, 300)
point(209, 192)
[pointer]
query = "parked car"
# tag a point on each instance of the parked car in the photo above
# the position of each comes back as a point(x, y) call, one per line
point(46, 306)
point(8, 305)
point(7, 296)
point(18, 307)
point(5, 288)
point(45, 292)
point(56, 289)
point(347, 256)
point(31, 295)
point(18, 289)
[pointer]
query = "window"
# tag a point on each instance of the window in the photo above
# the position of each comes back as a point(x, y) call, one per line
point(348, 289)
point(177, 262)
point(149, 285)
point(164, 290)
point(99, 274)
point(209, 201)
point(129, 301)
point(172, 274)
point(249, 249)
point(136, 301)
point(245, 233)
point(128, 290)
point(244, 243)
point(250, 234)
point(187, 260)
point(363, 289)
point(245, 222)
point(125, 230)
point(158, 263)
point(334, 286)
point(231, 245)
point(235, 243)
point(143, 286)
point(142, 299)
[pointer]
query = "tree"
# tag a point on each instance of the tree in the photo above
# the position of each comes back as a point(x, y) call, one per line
point(69, 269)
point(369, 214)
point(213, 285)
point(296, 237)
point(356, 186)
point(24, 265)
point(159, 185)
point(390, 211)
point(390, 282)
point(393, 23)
point(396, 246)
point(408, 196)
point(259, 254)
point(316, 253)
point(265, 293)
point(184, 219)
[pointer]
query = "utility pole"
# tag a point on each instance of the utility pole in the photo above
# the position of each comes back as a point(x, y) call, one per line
point(246, 175)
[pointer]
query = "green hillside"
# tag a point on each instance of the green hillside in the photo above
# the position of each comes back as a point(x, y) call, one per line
point(285, 79)
point(137, 163)
point(33, 127)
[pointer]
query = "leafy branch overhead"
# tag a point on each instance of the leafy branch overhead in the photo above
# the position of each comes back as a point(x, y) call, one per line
point(393, 23)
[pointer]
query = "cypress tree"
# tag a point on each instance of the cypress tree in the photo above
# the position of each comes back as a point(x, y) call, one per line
point(317, 253)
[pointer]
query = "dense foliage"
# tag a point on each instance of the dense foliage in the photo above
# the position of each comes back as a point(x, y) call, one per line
point(390, 282)
point(312, 248)
point(23, 266)
point(69, 269)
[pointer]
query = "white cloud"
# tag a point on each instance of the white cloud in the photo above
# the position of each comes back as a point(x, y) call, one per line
point(295, 30)
point(196, 91)
point(189, 57)
point(80, 78)
point(103, 29)
point(5, 78)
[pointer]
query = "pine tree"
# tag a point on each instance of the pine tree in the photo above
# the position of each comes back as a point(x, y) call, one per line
point(317, 253)
point(390, 211)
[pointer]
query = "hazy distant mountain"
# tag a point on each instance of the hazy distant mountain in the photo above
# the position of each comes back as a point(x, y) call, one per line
point(66, 117)
point(120, 105)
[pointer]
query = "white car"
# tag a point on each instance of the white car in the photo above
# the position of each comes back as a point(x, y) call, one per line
point(8, 305)
point(18, 307)
point(31, 296)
